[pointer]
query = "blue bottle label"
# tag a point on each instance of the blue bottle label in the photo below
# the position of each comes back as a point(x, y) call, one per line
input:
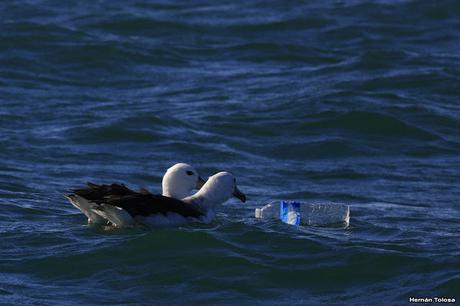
point(290, 212)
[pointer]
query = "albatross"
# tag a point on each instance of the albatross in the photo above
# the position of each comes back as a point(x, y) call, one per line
point(148, 208)
point(178, 182)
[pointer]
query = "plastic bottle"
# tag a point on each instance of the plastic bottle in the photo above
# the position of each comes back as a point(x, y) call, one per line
point(297, 213)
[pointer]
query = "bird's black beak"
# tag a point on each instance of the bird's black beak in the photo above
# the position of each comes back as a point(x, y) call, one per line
point(200, 182)
point(238, 194)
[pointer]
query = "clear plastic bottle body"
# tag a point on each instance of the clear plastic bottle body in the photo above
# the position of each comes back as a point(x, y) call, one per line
point(297, 213)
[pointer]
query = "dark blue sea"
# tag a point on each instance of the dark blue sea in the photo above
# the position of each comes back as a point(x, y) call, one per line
point(354, 102)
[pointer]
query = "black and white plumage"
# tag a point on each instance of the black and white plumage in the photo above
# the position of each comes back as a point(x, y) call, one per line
point(124, 207)
point(136, 204)
point(178, 181)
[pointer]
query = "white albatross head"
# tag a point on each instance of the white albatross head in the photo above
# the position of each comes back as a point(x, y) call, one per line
point(179, 180)
point(218, 188)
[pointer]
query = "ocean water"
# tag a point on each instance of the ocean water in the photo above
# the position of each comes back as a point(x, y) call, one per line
point(354, 102)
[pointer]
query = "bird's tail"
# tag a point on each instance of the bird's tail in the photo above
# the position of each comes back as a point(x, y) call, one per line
point(85, 207)
point(116, 215)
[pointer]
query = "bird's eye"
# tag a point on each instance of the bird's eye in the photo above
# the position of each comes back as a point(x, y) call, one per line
point(189, 172)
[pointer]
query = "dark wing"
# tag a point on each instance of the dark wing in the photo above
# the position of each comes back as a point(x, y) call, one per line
point(101, 193)
point(144, 191)
point(142, 204)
